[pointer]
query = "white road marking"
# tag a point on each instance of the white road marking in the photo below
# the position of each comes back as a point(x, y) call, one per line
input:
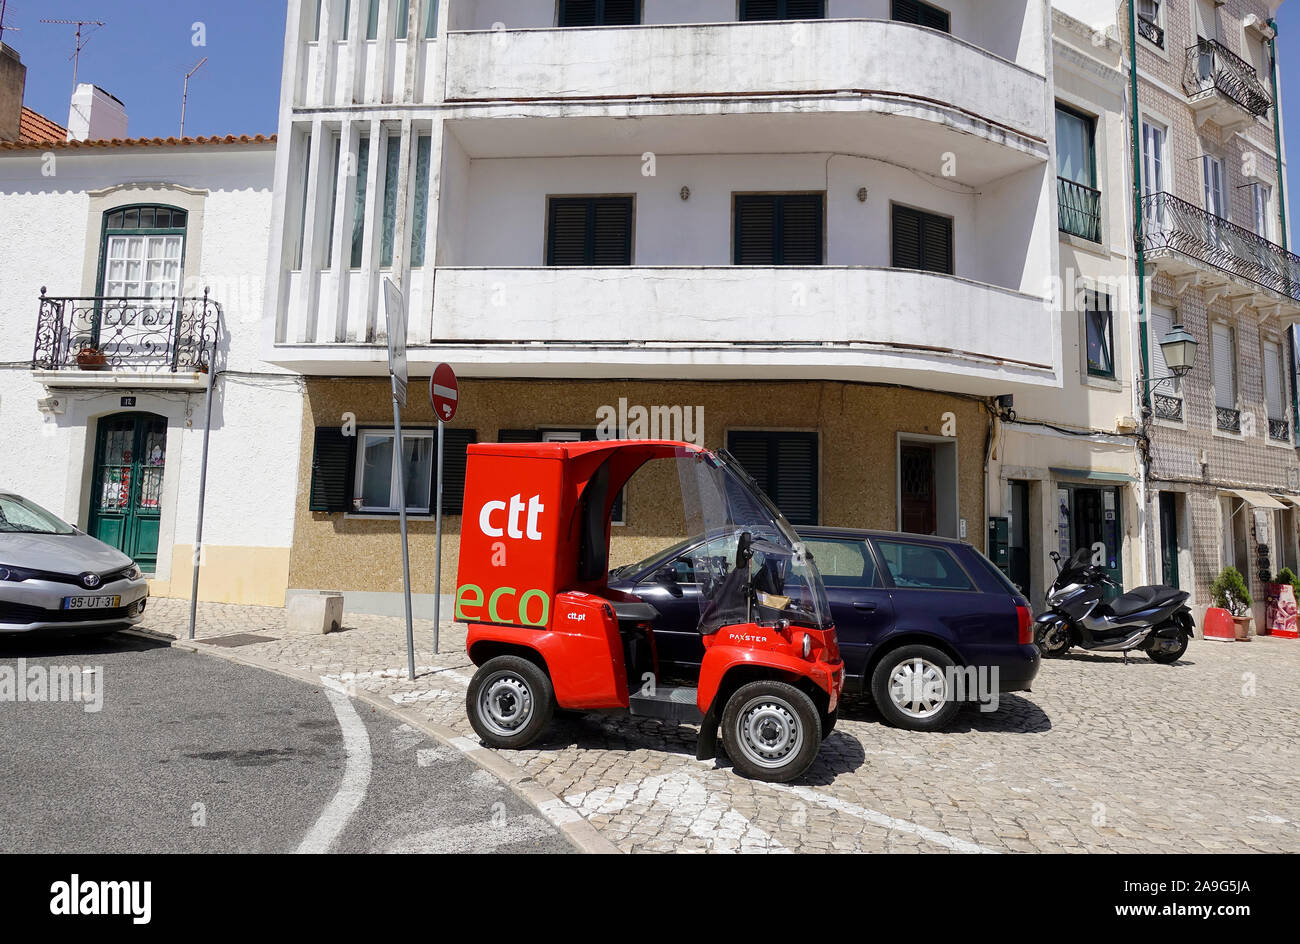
point(702, 812)
point(884, 820)
point(356, 776)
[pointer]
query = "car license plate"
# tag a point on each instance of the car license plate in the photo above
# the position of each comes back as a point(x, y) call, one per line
point(92, 603)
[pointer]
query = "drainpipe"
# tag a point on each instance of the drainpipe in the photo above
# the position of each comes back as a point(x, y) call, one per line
point(1140, 256)
point(1281, 208)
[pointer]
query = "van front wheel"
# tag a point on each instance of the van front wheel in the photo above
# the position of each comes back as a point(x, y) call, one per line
point(509, 702)
point(771, 731)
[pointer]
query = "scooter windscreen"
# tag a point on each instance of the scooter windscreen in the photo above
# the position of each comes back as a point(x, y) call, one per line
point(751, 566)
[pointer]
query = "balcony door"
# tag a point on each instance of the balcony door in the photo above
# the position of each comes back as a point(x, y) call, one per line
point(1079, 205)
point(143, 252)
point(1153, 177)
point(1212, 182)
point(126, 488)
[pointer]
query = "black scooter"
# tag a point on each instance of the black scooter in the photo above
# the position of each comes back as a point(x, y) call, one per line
point(1154, 618)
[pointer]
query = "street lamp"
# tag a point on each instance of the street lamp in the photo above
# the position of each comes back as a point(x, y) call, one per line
point(1179, 350)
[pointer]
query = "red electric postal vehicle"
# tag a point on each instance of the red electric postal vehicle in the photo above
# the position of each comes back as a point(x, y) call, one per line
point(546, 631)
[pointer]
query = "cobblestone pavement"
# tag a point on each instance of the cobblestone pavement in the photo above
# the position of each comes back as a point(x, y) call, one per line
point(1100, 757)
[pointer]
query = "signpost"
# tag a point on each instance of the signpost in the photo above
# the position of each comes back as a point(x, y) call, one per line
point(444, 391)
point(395, 311)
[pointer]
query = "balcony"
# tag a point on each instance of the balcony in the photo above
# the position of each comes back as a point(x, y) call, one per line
point(1078, 209)
point(1279, 430)
point(1198, 248)
point(747, 66)
point(743, 322)
point(1167, 407)
point(1227, 419)
point(1151, 32)
point(103, 341)
point(1222, 87)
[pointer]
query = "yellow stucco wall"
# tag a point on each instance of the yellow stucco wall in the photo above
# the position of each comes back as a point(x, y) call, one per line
point(858, 450)
point(256, 576)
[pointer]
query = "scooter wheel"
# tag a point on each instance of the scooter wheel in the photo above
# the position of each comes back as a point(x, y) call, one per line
point(1055, 641)
point(1169, 656)
point(509, 702)
point(771, 731)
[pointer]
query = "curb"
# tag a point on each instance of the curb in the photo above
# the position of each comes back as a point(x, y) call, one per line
point(584, 836)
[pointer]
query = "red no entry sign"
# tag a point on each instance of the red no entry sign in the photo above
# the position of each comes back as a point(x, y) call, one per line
point(445, 392)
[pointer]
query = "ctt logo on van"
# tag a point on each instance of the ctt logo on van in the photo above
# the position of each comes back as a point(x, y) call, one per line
point(520, 520)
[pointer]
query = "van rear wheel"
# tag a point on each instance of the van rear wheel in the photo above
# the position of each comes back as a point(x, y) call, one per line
point(509, 702)
point(771, 731)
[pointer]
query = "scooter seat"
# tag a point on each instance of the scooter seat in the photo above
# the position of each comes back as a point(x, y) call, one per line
point(1142, 598)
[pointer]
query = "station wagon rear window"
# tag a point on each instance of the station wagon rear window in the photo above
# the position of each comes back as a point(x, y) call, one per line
point(922, 567)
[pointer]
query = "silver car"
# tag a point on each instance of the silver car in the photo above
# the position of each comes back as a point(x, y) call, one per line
point(55, 577)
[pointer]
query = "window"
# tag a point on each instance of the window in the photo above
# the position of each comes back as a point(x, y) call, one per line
point(420, 220)
point(1153, 158)
point(430, 19)
point(844, 563)
point(334, 203)
point(600, 12)
point(1078, 202)
point(1261, 196)
point(1212, 176)
point(372, 20)
point(1101, 343)
point(359, 202)
point(1225, 369)
point(920, 240)
point(1275, 389)
point(785, 467)
point(1149, 27)
point(922, 14)
point(403, 14)
point(377, 471)
point(589, 231)
point(143, 252)
point(782, 9)
point(922, 567)
point(392, 161)
point(779, 229)
point(1161, 322)
point(358, 472)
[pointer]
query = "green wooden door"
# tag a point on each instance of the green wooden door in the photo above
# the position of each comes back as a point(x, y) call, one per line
point(126, 491)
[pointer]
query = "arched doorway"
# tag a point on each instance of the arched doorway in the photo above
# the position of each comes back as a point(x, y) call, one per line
point(127, 483)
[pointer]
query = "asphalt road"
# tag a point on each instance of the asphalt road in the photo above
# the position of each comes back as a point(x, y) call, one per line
point(190, 753)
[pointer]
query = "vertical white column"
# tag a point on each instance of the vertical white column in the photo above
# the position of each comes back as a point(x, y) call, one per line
point(319, 180)
point(354, 63)
point(362, 322)
point(345, 194)
point(379, 54)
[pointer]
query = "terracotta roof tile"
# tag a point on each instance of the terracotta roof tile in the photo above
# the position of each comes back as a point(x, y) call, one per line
point(33, 126)
point(22, 145)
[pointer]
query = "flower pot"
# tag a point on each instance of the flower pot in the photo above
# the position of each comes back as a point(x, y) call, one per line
point(1241, 628)
point(89, 358)
point(1217, 624)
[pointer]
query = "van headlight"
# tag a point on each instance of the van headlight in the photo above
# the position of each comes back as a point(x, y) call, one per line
point(807, 646)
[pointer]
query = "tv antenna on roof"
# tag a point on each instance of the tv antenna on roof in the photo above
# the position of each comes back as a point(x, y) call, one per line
point(80, 42)
point(3, 27)
point(185, 93)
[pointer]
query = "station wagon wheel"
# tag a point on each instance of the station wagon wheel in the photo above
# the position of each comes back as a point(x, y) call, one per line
point(913, 688)
point(771, 731)
point(509, 702)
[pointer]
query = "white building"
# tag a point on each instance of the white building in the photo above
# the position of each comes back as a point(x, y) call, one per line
point(121, 263)
point(788, 213)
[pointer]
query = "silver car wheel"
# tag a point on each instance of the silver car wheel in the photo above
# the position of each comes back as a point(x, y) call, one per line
point(918, 688)
point(505, 704)
point(768, 731)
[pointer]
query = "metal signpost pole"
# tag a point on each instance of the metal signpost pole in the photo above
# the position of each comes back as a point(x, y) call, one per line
point(203, 464)
point(395, 310)
point(437, 548)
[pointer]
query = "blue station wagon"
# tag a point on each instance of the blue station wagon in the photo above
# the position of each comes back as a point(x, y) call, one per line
point(910, 612)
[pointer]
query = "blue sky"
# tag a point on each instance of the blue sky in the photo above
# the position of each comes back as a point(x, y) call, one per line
point(143, 52)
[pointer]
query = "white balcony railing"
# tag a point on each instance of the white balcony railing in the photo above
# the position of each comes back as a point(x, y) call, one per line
point(875, 57)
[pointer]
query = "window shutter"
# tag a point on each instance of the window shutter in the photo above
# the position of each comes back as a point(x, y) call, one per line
point(805, 9)
point(760, 9)
point(784, 465)
point(333, 464)
point(519, 435)
point(577, 12)
point(801, 230)
point(1273, 385)
point(566, 243)
point(612, 232)
point(922, 14)
point(455, 442)
point(755, 226)
point(621, 13)
point(921, 241)
point(1225, 388)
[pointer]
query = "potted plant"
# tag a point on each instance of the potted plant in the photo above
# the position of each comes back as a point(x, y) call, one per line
point(1280, 596)
point(1230, 593)
point(91, 358)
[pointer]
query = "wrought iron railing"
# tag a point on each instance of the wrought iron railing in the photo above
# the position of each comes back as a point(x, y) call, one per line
point(1211, 66)
point(1167, 407)
point(1151, 32)
point(1078, 209)
point(1279, 430)
point(103, 333)
point(1227, 419)
point(1171, 223)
